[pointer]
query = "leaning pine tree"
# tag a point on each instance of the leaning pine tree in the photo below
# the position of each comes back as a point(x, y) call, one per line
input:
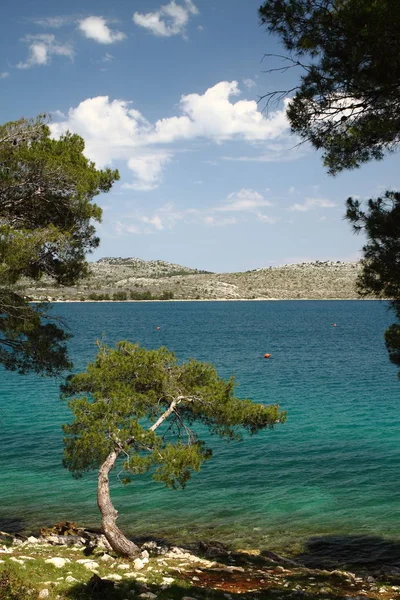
point(139, 406)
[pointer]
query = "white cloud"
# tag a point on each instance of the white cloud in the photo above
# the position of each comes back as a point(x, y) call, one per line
point(107, 58)
point(267, 219)
point(214, 115)
point(95, 28)
point(162, 219)
point(114, 130)
point(213, 221)
point(170, 19)
point(311, 203)
point(54, 22)
point(148, 171)
point(41, 49)
point(244, 200)
point(249, 83)
point(4, 75)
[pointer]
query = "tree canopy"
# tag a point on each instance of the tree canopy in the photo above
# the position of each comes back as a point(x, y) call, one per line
point(348, 100)
point(381, 263)
point(47, 212)
point(142, 406)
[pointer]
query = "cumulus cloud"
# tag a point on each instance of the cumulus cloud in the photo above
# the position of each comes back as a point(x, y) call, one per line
point(96, 28)
point(214, 115)
point(148, 171)
point(41, 49)
point(244, 200)
point(114, 130)
point(311, 203)
point(170, 19)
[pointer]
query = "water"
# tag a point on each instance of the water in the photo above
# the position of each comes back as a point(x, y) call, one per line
point(333, 468)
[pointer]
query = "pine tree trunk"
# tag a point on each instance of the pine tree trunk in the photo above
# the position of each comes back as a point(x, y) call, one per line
point(119, 543)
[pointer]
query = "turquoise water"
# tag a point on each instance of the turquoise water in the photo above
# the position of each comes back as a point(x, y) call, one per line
point(332, 468)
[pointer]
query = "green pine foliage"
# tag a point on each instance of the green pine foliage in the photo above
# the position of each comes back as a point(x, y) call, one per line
point(347, 103)
point(381, 262)
point(47, 212)
point(118, 401)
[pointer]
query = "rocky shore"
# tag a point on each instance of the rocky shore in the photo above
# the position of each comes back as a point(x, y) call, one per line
point(67, 561)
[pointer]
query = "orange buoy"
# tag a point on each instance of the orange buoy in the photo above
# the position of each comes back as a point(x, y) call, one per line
point(267, 356)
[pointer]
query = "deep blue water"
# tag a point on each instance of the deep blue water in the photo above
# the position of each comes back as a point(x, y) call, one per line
point(333, 467)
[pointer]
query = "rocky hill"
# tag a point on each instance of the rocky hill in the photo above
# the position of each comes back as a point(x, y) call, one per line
point(136, 279)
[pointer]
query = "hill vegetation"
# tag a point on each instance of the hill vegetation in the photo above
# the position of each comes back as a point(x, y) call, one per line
point(135, 279)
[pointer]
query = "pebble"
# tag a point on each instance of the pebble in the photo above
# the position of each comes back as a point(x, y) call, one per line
point(17, 560)
point(58, 562)
point(89, 564)
point(106, 558)
point(114, 577)
point(32, 540)
point(138, 564)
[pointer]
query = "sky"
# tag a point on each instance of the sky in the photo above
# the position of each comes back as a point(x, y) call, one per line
point(169, 93)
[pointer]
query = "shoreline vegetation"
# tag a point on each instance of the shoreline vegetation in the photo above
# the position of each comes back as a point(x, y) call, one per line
point(136, 280)
point(67, 561)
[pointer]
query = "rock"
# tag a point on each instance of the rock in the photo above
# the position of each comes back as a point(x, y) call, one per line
point(106, 558)
point(138, 564)
point(148, 596)
point(282, 560)
point(102, 543)
point(168, 580)
point(17, 542)
point(123, 566)
point(114, 577)
point(177, 551)
point(71, 579)
point(17, 560)
point(145, 554)
point(44, 593)
point(90, 564)
point(188, 598)
point(58, 562)
point(345, 575)
point(32, 540)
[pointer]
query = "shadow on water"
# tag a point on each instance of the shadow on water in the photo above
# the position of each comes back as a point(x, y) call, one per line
point(350, 552)
point(12, 524)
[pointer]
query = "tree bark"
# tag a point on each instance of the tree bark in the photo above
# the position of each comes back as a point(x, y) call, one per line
point(118, 542)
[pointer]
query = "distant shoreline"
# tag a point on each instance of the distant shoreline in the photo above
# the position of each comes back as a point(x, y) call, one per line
point(213, 300)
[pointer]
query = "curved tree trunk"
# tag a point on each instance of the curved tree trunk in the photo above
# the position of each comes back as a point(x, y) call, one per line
point(119, 543)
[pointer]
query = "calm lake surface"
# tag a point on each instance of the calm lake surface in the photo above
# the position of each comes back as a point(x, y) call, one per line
point(333, 468)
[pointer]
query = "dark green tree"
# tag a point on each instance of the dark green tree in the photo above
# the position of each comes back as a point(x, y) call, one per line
point(139, 406)
point(381, 263)
point(47, 188)
point(347, 102)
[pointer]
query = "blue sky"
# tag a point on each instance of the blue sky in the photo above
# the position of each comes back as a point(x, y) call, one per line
point(168, 93)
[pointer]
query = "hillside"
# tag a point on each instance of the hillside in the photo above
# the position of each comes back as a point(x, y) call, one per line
point(133, 278)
